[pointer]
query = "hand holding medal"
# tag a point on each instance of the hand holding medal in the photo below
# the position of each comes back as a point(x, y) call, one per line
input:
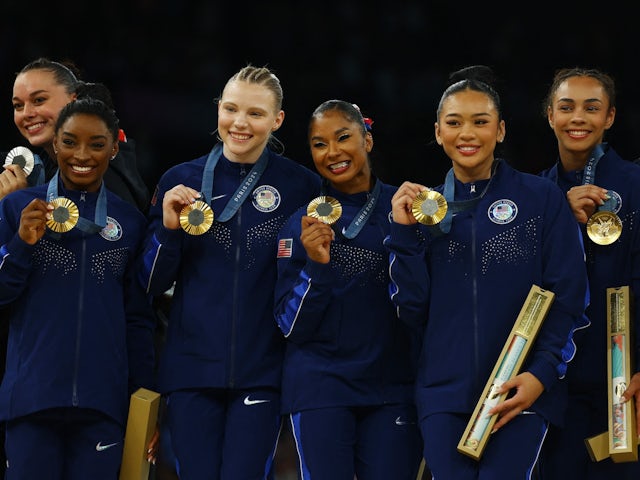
point(21, 156)
point(186, 208)
point(318, 234)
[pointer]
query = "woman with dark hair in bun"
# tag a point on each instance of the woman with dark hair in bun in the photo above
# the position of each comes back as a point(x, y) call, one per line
point(80, 324)
point(40, 90)
point(464, 271)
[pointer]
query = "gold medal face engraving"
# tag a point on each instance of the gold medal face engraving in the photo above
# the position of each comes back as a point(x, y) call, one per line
point(20, 156)
point(604, 227)
point(196, 218)
point(429, 207)
point(326, 209)
point(64, 216)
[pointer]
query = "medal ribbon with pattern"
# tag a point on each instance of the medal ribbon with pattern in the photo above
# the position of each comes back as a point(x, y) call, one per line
point(460, 206)
point(590, 174)
point(241, 193)
point(38, 171)
point(590, 168)
point(604, 226)
point(363, 215)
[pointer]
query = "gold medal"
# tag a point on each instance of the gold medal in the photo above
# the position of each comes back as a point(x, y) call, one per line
point(326, 209)
point(429, 207)
point(196, 218)
point(64, 216)
point(604, 227)
point(21, 156)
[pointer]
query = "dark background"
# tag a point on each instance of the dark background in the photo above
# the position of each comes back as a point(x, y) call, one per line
point(166, 62)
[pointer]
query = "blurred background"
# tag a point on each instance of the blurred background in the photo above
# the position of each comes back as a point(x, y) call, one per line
point(166, 62)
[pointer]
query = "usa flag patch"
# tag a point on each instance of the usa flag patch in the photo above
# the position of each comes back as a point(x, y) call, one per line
point(284, 247)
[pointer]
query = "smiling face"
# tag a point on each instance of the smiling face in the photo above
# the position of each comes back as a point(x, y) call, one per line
point(246, 117)
point(340, 151)
point(84, 146)
point(37, 101)
point(579, 115)
point(468, 129)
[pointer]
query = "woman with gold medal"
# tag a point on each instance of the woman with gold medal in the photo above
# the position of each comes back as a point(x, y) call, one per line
point(213, 232)
point(41, 89)
point(465, 279)
point(603, 192)
point(350, 363)
point(80, 324)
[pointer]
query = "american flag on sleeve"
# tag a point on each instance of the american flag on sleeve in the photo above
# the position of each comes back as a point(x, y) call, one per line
point(284, 247)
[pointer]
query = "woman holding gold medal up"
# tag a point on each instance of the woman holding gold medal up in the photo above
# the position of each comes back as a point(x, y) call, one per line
point(350, 363)
point(214, 223)
point(466, 275)
point(81, 327)
point(603, 192)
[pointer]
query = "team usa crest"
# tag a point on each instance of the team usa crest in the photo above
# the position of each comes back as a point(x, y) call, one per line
point(112, 230)
point(613, 203)
point(502, 211)
point(266, 198)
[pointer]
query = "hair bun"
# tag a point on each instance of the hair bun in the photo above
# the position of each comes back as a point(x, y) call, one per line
point(481, 73)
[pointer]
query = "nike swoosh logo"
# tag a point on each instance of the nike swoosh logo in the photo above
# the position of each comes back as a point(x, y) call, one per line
point(100, 447)
point(217, 197)
point(248, 401)
point(399, 421)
